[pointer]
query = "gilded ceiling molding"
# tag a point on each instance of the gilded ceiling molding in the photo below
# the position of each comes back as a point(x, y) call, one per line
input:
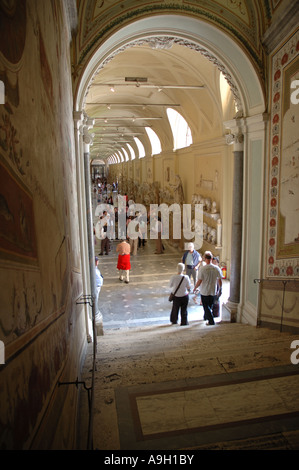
point(166, 42)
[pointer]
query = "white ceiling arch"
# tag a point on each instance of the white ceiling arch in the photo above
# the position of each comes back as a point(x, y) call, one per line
point(166, 33)
point(210, 41)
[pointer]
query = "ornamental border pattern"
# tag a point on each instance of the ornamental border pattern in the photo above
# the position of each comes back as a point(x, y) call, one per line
point(285, 267)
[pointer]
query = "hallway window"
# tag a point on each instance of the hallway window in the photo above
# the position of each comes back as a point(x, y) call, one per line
point(120, 155)
point(140, 148)
point(154, 140)
point(112, 160)
point(227, 100)
point(181, 132)
point(126, 154)
point(131, 151)
point(224, 90)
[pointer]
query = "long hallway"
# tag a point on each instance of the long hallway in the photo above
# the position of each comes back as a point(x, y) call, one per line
point(144, 301)
point(165, 387)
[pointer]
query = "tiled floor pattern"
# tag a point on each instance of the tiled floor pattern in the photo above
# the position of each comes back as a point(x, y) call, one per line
point(247, 405)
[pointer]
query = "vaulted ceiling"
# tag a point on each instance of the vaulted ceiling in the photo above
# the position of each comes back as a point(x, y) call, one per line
point(151, 75)
point(145, 82)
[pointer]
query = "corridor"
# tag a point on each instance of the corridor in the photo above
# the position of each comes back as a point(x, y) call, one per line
point(144, 301)
point(182, 102)
point(165, 387)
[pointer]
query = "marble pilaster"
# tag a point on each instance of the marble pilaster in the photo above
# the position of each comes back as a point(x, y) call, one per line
point(237, 214)
point(87, 141)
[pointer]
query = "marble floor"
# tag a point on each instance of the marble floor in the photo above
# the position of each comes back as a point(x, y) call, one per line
point(164, 387)
point(144, 301)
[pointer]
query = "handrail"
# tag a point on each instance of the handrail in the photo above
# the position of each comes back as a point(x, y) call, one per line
point(284, 281)
point(90, 300)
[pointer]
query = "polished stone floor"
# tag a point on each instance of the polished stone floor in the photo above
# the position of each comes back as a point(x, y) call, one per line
point(144, 301)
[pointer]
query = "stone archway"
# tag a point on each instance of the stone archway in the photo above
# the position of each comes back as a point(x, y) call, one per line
point(227, 55)
point(194, 33)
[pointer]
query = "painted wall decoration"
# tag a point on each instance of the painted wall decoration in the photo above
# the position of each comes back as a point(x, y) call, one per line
point(283, 213)
point(40, 264)
point(168, 171)
point(12, 29)
point(17, 226)
point(149, 171)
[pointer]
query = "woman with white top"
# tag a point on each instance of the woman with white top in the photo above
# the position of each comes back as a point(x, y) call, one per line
point(182, 283)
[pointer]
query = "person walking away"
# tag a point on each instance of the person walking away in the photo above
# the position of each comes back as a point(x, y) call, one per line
point(216, 304)
point(99, 283)
point(123, 261)
point(208, 278)
point(142, 230)
point(181, 298)
point(192, 260)
point(157, 234)
point(105, 242)
point(133, 237)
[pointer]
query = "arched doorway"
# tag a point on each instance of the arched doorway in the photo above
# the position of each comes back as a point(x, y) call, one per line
point(246, 131)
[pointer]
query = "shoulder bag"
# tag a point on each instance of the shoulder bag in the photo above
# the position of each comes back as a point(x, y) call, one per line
point(171, 297)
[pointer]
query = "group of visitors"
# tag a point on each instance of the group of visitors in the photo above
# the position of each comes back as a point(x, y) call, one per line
point(101, 189)
point(207, 279)
point(203, 271)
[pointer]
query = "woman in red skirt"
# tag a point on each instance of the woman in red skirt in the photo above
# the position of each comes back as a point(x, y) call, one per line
point(123, 261)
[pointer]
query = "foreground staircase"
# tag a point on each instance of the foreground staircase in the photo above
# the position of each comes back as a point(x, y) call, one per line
point(228, 386)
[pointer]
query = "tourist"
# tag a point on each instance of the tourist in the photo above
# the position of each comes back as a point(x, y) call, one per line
point(123, 261)
point(180, 286)
point(192, 260)
point(208, 277)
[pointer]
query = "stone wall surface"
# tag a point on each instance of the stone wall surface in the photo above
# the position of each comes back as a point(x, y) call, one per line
point(40, 273)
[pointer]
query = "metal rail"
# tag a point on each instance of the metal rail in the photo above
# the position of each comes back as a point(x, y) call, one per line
point(90, 300)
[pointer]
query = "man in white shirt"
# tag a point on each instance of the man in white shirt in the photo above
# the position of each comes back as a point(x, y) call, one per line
point(181, 286)
point(208, 277)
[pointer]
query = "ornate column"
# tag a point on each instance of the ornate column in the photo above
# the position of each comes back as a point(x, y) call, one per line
point(78, 121)
point(87, 141)
point(237, 215)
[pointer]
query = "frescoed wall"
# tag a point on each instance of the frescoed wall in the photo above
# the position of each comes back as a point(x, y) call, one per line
point(280, 291)
point(283, 220)
point(40, 273)
point(42, 327)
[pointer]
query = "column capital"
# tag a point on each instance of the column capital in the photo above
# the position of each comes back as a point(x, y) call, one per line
point(78, 116)
point(87, 124)
point(78, 119)
point(236, 139)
